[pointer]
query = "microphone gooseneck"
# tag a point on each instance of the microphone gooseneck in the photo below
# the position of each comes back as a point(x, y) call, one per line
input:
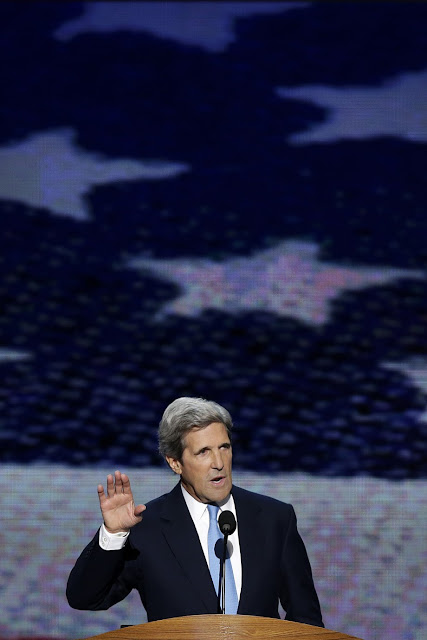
point(227, 526)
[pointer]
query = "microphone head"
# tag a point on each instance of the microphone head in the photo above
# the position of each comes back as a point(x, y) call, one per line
point(227, 523)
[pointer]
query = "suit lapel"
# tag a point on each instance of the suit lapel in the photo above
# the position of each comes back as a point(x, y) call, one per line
point(251, 540)
point(181, 536)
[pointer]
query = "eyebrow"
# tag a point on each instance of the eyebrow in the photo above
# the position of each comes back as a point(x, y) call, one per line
point(206, 447)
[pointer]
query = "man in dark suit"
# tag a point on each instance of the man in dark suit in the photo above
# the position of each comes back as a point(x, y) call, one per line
point(162, 549)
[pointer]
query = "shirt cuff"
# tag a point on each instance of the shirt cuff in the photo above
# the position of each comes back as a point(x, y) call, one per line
point(112, 541)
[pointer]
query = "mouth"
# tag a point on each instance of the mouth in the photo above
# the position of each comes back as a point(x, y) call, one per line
point(218, 481)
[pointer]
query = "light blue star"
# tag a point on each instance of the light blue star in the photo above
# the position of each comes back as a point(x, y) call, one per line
point(288, 280)
point(209, 25)
point(397, 108)
point(48, 170)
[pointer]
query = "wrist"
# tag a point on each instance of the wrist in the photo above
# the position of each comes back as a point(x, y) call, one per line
point(116, 531)
point(112, 541)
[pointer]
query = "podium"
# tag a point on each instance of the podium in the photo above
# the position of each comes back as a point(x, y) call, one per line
point(222, 627)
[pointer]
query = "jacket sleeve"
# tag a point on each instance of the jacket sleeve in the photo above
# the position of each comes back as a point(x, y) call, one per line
point(298, 594)
point(100, 578)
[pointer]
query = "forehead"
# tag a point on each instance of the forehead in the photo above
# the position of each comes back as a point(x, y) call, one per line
point(214, 434)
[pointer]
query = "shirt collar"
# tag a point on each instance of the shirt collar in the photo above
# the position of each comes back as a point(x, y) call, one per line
point(197, 509)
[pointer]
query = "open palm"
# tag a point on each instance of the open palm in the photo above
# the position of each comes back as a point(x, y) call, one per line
point(117, 505)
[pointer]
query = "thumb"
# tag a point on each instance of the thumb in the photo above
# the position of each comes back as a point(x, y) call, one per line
point(139, 510)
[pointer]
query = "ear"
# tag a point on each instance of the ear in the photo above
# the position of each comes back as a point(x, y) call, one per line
point(174, 464)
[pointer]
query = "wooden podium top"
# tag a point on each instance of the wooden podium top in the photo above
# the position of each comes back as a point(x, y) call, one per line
point(222, 627)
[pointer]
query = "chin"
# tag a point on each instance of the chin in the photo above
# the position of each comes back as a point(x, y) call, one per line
point(222, 493)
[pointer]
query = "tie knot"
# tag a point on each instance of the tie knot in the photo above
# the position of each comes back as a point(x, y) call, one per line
point(213, 512)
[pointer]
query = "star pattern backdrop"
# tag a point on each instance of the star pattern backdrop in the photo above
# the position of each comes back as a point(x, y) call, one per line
point(226, 200)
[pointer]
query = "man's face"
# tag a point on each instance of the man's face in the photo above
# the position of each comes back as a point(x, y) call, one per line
point(205, 467)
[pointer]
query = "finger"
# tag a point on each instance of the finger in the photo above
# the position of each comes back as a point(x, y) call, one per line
point(118, 480)
point(126, 484)
point(110, 486)
point(101, 494)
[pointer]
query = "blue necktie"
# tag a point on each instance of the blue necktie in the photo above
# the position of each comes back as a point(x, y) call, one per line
point(214, 534)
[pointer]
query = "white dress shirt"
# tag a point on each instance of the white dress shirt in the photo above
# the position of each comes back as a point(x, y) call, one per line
point(200, 516)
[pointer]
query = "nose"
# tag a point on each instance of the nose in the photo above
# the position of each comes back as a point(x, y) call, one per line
point(217, 461)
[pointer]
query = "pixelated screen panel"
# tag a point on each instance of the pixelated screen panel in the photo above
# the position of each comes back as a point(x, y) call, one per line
point(223, 200)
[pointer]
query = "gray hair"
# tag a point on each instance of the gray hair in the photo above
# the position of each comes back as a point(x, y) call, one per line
point(182, 415)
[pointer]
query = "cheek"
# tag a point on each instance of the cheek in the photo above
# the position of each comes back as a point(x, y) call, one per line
point(199, 471)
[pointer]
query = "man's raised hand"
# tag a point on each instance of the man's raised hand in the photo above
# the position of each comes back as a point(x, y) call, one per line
point(117, 505)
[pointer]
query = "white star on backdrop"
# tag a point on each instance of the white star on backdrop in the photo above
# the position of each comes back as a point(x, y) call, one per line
point(48, 170)
point(205, 24)
point(398, 108)
point(287, 280)
point(416, 370)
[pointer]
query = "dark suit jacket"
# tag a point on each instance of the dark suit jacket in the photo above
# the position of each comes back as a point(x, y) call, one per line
point(163, 559)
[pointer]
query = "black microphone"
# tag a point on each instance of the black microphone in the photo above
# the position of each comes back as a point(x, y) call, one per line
point(227, 523)
point(227, 526)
